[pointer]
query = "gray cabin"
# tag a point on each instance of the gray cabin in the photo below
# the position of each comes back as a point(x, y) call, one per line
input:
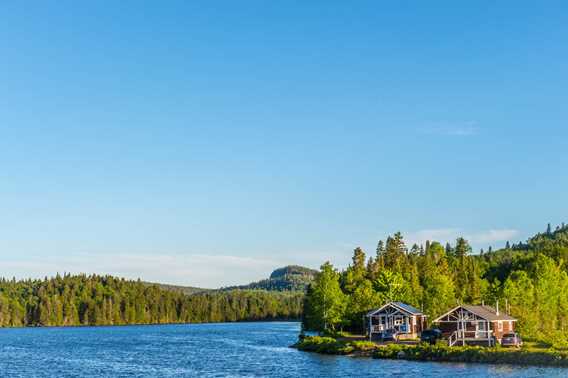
point(407, 320)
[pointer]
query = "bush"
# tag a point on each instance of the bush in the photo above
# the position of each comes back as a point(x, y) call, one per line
point(556, 340)
point(329, 345)
point(324, 345)
point(364, 346)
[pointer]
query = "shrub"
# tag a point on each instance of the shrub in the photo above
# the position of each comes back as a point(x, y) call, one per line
point(364, 346)
point(557, 340)
point(324, 345)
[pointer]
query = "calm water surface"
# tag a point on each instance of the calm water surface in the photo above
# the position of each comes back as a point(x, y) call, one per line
point(205, 350)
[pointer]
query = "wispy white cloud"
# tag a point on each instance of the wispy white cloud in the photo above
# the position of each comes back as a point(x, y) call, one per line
point(193, 270)
point(459, 129)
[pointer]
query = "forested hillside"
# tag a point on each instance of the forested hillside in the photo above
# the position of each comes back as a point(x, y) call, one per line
point(528, 279)
point(106, 300)
point(288, 278)
point(189, 290)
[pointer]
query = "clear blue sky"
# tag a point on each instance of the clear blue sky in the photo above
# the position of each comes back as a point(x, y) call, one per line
point(206, 143)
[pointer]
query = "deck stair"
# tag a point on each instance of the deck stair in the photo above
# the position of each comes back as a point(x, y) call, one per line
point(453, 338)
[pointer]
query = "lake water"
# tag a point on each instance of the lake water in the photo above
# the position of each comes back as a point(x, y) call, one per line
point(205, 350)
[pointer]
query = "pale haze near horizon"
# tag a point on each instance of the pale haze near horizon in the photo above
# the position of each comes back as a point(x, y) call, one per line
point(208, 144)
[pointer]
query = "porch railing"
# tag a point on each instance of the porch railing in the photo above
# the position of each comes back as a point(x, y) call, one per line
point(377, 328)
point(468, 335)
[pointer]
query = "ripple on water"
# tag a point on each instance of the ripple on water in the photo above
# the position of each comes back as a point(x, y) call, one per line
point(205, 350)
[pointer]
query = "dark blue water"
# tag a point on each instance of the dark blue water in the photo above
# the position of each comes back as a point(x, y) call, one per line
point(205, 350)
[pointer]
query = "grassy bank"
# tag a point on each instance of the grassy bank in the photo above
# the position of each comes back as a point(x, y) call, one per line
point(329, 345)
point(530, 355)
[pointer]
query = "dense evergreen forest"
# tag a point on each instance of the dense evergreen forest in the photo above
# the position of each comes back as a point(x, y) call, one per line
point(105, 300)
point(529, 280)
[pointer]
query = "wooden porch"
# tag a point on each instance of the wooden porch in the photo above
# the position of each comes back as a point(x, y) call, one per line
point(463, 327)
point(471, 337)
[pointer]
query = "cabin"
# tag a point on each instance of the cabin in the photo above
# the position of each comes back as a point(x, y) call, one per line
point(405, 319)
point(481, 325)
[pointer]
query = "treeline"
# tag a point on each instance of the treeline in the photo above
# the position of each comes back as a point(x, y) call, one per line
point(529, 280)
point(72, 300)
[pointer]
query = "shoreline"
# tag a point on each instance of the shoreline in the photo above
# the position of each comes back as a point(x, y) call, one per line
point(546, 357)
point(146, 324)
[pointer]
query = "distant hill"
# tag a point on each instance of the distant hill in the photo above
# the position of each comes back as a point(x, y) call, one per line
point(187, 290)
point(288, 278)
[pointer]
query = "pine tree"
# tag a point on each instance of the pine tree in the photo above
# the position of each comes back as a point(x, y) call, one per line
point(461, 263)
point(356, 272)
point(449, 249)
point(379, 258)
point(395, 253)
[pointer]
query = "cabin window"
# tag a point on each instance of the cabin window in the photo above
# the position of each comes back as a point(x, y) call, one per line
point(500, 325)
point(398, 322)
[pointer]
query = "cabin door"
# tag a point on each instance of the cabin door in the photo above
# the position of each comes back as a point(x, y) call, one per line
point(384, 323)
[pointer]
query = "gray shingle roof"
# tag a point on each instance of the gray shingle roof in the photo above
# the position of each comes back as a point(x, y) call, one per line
point(488, 312)
point(408, 308)
point(403, 306)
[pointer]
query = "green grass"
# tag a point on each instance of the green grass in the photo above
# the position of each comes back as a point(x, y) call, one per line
point(329, 345)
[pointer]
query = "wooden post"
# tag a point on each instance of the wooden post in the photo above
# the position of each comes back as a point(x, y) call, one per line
point(462, 327)
point(371, 328)
point(463, 333)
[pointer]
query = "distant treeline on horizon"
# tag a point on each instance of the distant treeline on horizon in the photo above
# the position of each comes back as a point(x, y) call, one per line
point(73, 300)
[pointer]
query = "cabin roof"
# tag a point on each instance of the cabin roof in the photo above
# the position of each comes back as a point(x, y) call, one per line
point(400, 305)
point(411, 309)
point(485, 312)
